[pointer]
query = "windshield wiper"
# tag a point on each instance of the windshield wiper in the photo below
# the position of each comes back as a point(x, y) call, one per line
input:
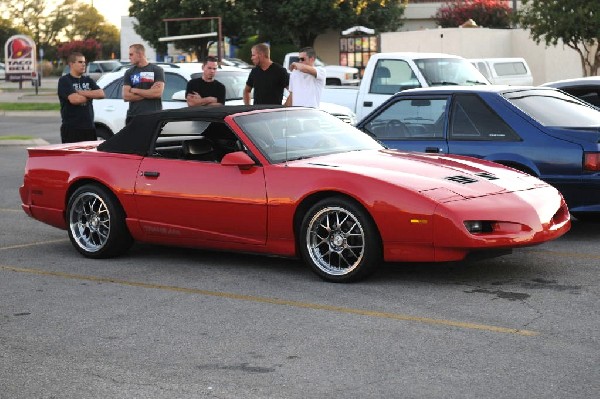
point(475, 82)
point(444, 83)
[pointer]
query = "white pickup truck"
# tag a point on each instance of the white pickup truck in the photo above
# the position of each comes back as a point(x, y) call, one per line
point(337, 75)
point(389, 73)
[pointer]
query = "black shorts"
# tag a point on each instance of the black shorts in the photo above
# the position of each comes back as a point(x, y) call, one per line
point(73, 135)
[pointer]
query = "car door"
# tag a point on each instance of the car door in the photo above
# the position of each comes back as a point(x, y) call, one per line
point(201, 200)
point(412, 123)
point(111, 111)
point(389, 77)
point(484, 126)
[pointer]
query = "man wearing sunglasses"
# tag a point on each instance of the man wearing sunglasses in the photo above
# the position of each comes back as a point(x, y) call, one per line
point(306, 80)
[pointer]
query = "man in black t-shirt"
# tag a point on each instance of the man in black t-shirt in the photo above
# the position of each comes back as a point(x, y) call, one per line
point(76, 92)
point(205, 90)
point(267, 78)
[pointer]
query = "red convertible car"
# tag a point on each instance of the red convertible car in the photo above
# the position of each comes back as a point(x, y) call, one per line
point(283, 181)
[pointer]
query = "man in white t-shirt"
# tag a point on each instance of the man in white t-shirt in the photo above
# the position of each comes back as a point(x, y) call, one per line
point(306, 80)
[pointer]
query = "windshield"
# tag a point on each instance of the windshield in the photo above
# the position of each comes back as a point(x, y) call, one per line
point(234, 82)
point(450, 71)
point(108, 66)
point(554, 108)
point(293, 134)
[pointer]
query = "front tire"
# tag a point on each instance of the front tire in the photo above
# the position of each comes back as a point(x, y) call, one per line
point(96, 223)
point(340, 241)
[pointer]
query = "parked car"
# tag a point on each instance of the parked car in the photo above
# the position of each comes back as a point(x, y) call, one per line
point(236, 62)
point(540, 131)
point(285, 181)
point(389, 73)
point(504, 71)
point(587, 89)
point(337, 75)
point(110, 112)
point(95, 69)
point(2, 71)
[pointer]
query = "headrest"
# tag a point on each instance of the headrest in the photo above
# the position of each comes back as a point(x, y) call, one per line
point(199, 146)
point(382, 72)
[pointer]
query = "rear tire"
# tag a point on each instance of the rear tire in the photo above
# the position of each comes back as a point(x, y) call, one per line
point(339, 241)
point(96, 223)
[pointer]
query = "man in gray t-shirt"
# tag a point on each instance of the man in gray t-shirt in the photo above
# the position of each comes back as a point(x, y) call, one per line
point(143, 84)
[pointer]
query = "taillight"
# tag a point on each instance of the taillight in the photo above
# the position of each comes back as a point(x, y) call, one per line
point(591, 161)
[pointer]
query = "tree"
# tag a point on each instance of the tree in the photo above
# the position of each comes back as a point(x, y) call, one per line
point(87, 23)
point(575, 22)
point(90, 48)
point(35, 19)
point(6, 30)
point(488, 13)
point(237, 21)
point(303, 20)
point(48, 23)
point(296, 22)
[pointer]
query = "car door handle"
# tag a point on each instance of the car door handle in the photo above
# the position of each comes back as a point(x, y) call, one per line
point(151, 174)
point(368, 103)
point(435, 150)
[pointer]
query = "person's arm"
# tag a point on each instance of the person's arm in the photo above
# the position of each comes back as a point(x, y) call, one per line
point(288, 100)
point(304, 68)
point(153, 92)
point(128, 96)
point(196, 100)
point(66, 91)
point(77, 98)
point(92, 94)
point(221, 95)
point(247, 91)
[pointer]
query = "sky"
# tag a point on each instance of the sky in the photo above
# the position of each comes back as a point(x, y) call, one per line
point(112, 10)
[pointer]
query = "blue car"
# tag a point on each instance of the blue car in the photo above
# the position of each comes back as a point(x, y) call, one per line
point(541, 131)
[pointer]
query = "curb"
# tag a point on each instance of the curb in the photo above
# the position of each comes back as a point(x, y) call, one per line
point(30, 113)
point(28, 143)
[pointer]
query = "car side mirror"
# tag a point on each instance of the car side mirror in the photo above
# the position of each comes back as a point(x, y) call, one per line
point(239, 159)
point(178, 96)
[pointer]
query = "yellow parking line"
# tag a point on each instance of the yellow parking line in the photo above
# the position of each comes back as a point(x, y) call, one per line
point(33, 244)
point(282, 302)
point(11, 210)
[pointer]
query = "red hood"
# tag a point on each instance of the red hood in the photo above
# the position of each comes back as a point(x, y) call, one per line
point(442, 177)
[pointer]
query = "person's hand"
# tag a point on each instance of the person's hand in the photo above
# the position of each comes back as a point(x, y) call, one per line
point(293, 66)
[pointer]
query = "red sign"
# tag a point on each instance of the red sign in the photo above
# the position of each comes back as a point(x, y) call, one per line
point(20, 62)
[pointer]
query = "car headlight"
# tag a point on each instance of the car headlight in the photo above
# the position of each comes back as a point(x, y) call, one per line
point(479, 226)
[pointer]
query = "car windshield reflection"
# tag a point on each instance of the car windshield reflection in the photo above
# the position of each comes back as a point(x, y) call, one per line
point(553, 108)
point(288, 135)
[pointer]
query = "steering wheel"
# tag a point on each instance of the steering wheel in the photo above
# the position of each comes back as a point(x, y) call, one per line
point(395, 128)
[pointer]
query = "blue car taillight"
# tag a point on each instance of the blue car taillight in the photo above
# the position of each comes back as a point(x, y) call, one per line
point(591, 161)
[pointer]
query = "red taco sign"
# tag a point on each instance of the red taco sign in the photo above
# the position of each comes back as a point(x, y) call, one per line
point(19, 55)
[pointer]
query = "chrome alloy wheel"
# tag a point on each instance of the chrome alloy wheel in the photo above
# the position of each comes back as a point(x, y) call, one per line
point(89, 221)
point(335, 240)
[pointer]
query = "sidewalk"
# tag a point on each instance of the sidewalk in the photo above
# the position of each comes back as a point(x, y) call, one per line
point(10, 92)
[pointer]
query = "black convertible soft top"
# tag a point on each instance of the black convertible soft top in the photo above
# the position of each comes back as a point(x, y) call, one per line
point(139, 135)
